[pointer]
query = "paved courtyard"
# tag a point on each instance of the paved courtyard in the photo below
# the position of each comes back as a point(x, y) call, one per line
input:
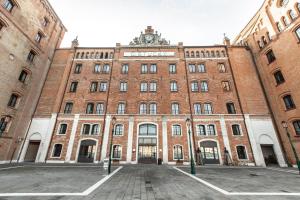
point(133, 182)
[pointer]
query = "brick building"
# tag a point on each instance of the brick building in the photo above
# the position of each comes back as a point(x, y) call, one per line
point(273, 35)
point(30, 31)
point(151, 87)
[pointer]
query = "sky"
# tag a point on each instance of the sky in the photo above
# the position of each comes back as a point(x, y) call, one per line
point(103, 23)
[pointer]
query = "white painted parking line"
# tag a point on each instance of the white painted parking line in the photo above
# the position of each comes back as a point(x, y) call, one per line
point(67, 166)
point(237, 193)
point(85, 193)
point(284, 170)
point(5, 168)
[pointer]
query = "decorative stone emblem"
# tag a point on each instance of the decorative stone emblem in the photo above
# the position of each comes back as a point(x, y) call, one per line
point(149, 38)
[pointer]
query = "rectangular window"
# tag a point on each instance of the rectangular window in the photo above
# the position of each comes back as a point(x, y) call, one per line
point(201, 68)
point(178, 152)
point(31, 56)
point(62, 129)
point(90, 108)
point(106, 69)
point(201, 130)
point(121, 108)
point(8, 5)
point(95, 129)
point(123, 87)
point(13, 101)
point(211, 130)
point(153, 109)
point(100, 108)
point(204, 86)
point(236, 129)
point(45, 22)
point(173, 86)
point(153, 68)
point(241, 151)
point(94, 87)
point(296, 125)
point(289, 102)
point(143, 109)
point(97, 68)
point(175, 108)
point(86, 129)
point(192, 68)
point(221, 67)
point(4, 123)
point(118, 129)
point(116, 152)
point(226, 86)
point(207, 108)
point(144, 69)
point(23, 76)
point(176, 130)
point(230, 108)
point(38, 37)
point(124, 69)
point(298, 31)
point(68, 108)
point(57, 150)
point(144, 87)
point(270, 56)
point(73, 86)
point(197, 109)
point(194, 86)
point(153, 87)
point(77, 69)
point(279, 77)
point(172, 69)
point(103, 87)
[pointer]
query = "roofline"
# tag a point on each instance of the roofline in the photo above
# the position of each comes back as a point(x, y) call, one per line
point(49, 4)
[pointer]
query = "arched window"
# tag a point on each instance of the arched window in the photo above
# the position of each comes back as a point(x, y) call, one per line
point(97, 55)
point(197, 54)
point(204, 86)
point(187, 54)
point(100, 108)
point(153, 108)
point(279, 27)
point(298, 7)
point(147, 129)
point(298, 33)
point(82, 55)
point(77, 55)
point(197, 109)
point(213, 54)
point(119, 129)
point(192, 54)
point(289, 102)
point(143, 109)
point(230, 108)
point(236, 130)
point(218, 54)
point(173, 86)
point(175, 109)
point(117, 152)
point(106, 55)
point(68, 108)
point(90, 108)
point(264, 40)
point(296, 125)
point(283, 2)
point(111, 55)
point(106, 69)
point(208, 109)
point(101, 55)
point(97, 68)
point(292, 15)
point(202, 54)
point(4, 124)
point(207, 54)
point(23, 77)
point(223, 54)
point(14, 100)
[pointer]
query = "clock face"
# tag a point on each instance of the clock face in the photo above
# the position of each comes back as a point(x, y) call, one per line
point(149, 38)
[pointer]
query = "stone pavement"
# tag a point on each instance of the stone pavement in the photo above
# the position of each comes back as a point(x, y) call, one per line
point(152, 182)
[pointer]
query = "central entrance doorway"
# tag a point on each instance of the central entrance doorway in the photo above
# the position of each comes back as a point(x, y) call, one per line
point(209, 150)
point(147, 150)
point(32, 151)
point(269, 155)
point(87, 151)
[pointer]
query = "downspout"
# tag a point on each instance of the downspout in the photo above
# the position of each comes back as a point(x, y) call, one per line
point(239, 100)
point(27, 131)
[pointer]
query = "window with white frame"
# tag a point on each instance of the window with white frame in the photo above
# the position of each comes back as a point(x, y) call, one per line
point(226, 86)
point(173, 86)
point(296, 125)
point(103, 86)
point(78, 68)
point(143, 109)
point(68, 108)
point(172, 69)
point(204, 86)
point(241, 151)
point(236, 130)
point(117, 152)
point(200, 129)
point(144, 69)
point(94, 87)
point(192, 68)
point(119, 129)
point(197, 109)
point(292, 14)
point(153, 109)
point(95, 129)
point(100, 108)
point(153, 86)
point(201, 68)
point(123, 86)
point(221, 67)
point(230, 108)
point(4, 124)
point(57, 150)
point(175, 108)
point(121, 108)
point(194, 86)
point(211, 130)
point(153, 68)
point(90, 108)
point(178, 155)
point(62, 129)
point(97, 68)
point(144, 87)
point(9, 5)
point(86, 129)
point(298, 31)
point(106, 69)
point(124, 69)
point(176, 129)
point(208, 108)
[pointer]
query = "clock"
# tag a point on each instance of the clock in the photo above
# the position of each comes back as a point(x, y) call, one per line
point(149, 38)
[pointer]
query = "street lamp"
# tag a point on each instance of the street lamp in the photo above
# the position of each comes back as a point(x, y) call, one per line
point(188, 124)
point(113, 122)
point(285, 126)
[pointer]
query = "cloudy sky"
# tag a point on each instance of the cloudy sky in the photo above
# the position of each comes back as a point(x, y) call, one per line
point(193, 22)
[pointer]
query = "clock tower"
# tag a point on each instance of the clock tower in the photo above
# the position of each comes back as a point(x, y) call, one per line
point(149, 38)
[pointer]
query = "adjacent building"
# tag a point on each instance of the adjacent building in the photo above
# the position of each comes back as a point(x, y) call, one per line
point(30, 31)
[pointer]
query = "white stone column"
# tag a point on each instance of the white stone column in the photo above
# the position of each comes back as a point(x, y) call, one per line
point(225, 136)
point(165, 140)
point(188, 143)
point(72, 138)
point(105, 137)
point(256, 149)
point(129, 141)
point(46, 141)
